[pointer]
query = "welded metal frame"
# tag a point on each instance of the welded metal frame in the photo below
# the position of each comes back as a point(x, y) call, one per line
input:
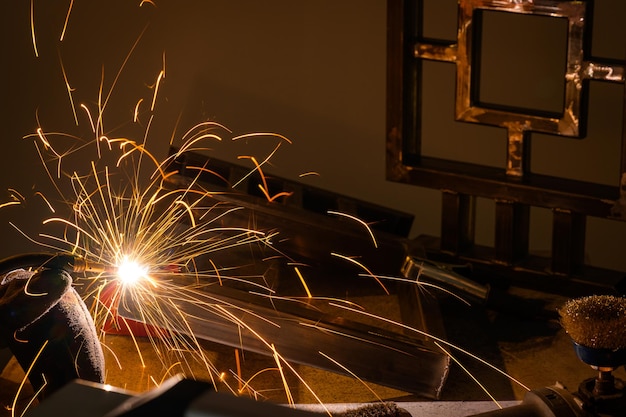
point(518, 121)
point(515, 188)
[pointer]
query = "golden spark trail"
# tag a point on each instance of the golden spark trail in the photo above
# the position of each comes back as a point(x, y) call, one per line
point(136, 112)
point(117, 76)
point(46, 145)
point(262, 134)
point(43, 197)
point(420, 285)
point(32, 27)
point(15, 192)
point(10, 203)
point(304, 300)
point(130, 332)
point(28, 371)
point(67, 19)
point(306, 384)
point(32, 294)
point(238, 366)
point(217, 272)
point(359, 264)
point(482, 386)
point(360, 339)
point(69, 88)
point(353, 375)
point(257, 166)
point(156, 87)
point(356, 219)
point(306, 287)
point(281, 372)
point(438, 339)
point(190, 138)
point(248, 382)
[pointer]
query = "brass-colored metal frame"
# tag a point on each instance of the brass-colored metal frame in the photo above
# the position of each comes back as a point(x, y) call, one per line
point(515, 188)
point(518, 122)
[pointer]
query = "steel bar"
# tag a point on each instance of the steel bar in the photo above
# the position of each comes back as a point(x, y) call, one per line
point(304, 335)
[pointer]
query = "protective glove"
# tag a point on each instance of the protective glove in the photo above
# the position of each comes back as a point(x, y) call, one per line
point(25, 297)
point(42, 308)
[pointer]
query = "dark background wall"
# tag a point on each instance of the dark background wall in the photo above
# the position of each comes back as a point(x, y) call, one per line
point(313, 71)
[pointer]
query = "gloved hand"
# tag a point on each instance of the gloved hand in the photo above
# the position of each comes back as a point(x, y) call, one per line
point(25, 297)
point(42, 308)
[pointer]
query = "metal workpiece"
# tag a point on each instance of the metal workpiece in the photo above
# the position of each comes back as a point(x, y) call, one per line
point(300, 334)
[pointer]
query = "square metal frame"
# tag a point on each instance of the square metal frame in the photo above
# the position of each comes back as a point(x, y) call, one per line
point(568, 124)
point(514, 189)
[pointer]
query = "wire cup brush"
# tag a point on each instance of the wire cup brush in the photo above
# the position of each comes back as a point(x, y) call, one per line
point(597, 327)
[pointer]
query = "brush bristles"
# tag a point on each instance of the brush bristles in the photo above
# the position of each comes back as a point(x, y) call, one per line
point(597, 321)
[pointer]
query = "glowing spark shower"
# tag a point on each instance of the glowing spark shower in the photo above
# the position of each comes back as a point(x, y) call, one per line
point(168, 243)
point(129, 271)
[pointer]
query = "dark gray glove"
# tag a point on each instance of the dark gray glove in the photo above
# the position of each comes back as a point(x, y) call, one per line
point(25, 297)
point(43, 308)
